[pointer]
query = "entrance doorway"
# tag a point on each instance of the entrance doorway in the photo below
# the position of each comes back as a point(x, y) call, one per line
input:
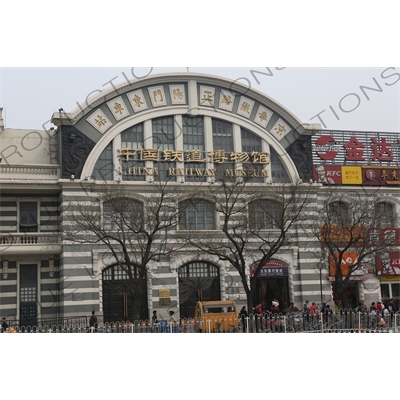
point(117, 306)
point(272, 282)
point(198, 281)
point(269, 288)
point(28, 295)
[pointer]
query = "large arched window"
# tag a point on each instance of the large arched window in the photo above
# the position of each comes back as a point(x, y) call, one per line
point(198, 270)
point(197, 214)
point(122, 214)
point(265, 214)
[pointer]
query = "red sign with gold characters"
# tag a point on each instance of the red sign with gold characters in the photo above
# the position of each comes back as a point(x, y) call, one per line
point(357, 158)
point(388, 263)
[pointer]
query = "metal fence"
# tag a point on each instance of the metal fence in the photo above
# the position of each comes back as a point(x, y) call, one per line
point(345, 321)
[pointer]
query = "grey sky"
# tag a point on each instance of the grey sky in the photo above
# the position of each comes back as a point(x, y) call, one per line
point(30, 96)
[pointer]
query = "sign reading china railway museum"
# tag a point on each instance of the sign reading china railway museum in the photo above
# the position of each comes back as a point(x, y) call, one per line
point(194, 156)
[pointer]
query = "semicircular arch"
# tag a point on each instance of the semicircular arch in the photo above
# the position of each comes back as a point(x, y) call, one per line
point(152, 114)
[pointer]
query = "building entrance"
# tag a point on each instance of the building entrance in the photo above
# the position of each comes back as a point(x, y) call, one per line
point(117, 305)
point(272, 282)
point(198, 281)
point(28, 295)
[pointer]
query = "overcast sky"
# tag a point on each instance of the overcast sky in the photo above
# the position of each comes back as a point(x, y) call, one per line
point(340, 96)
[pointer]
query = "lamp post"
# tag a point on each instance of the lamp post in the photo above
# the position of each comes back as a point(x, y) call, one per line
point(321, 263)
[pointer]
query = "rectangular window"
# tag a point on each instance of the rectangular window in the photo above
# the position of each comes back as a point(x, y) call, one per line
point(390, 291)
point(132, 139)
point(251, 143)
point(28, 216)
point(193, 139)
point(223, 140)
point(164, 139)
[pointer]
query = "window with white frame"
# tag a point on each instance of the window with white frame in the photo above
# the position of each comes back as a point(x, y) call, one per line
point(122, 214)
point(265, 214)
point(197, 215)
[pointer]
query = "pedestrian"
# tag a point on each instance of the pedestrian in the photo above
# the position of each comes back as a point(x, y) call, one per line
point(93, 323)
point(306, 307)
point(243, 316)
point(392, 306)
point(257, 316)
point(313, 309)
point(4, 325)
point(380, 307)
point(172, 322)
point(275, 305)
point(154, 320)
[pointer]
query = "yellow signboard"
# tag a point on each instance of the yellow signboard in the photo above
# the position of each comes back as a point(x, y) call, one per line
point(351, 175)
point(164, 293)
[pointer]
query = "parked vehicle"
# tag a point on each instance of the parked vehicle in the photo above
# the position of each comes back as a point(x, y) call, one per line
point(217, 316)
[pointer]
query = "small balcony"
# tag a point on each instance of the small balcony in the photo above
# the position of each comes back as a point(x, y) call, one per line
point(28, 243)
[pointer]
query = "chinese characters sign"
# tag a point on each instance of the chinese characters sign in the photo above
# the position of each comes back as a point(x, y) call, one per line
point(270, 269)
point(194, 156)
point(356, 148)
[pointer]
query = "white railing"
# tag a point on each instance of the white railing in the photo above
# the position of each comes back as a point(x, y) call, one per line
point(30, 239)
point(30, 171)
point(346, 321)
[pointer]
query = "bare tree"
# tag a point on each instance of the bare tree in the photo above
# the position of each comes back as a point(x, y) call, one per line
point(134, 232)
point(256, 221)
point(351, 230)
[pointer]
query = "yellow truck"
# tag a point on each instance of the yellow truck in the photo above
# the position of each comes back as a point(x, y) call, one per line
point(217, 316)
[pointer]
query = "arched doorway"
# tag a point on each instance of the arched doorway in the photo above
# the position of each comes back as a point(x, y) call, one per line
point(198, 281)
point(272, 282)
point(117, 306)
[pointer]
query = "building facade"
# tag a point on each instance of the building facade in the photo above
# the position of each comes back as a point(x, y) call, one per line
point(190, 129)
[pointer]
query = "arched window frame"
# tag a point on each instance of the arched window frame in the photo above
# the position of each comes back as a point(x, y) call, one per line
point(112, 219)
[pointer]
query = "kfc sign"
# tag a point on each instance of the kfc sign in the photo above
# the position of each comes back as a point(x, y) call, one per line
point(388, 263)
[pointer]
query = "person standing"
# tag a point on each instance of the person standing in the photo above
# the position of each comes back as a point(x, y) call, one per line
point(172, 322)
point(4, 325)
point(275, 305)
point(392, 306)
point(93, 323)
point(243, 316)
point(154, 321)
